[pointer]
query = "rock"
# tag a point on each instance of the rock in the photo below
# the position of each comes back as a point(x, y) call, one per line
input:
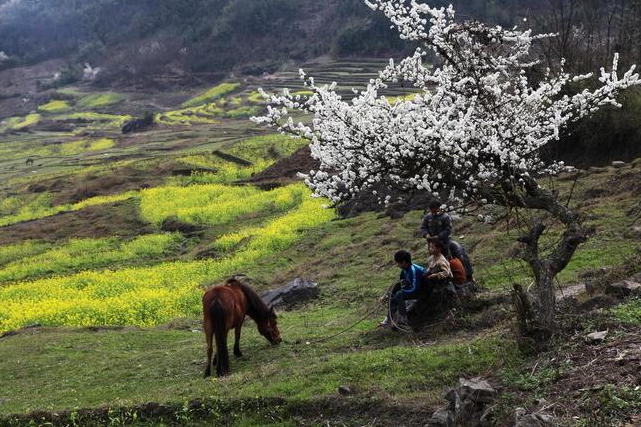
point(624, 289)
point(596, 337)
point(296, 291)
point(539, 419)
point(598, 301)
point(529, 421)
point(636, 278)
point(594, 169)
point(477, 390)
point(440, 418)
point(344, 390)
point(618, 164)
point(467, 405)
point(633, 232)
point(33, 326)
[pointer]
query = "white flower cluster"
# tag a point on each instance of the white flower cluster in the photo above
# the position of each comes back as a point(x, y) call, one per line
point(479, 118)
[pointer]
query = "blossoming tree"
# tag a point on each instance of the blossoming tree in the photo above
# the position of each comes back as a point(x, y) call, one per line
point(473, 133)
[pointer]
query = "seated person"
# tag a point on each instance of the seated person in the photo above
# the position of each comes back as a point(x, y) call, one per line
point(438, 224)
point(438, 267)
point(416, 281)
point(459, 275)
point(410, 283)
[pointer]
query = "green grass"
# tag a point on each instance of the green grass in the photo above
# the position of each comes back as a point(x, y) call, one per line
point(99, 100)
point(629, 312)
point(271, 236)
point(242, 112)
point(71, 91)
point(212, 94)
point(96, 368)
point(19, 251)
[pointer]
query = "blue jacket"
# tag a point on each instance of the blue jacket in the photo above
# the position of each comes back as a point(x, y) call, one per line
point(414, 277)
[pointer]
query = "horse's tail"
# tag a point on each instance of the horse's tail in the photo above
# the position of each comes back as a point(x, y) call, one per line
point(217, 312)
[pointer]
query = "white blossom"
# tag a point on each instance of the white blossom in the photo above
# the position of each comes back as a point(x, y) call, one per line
point(478, 118)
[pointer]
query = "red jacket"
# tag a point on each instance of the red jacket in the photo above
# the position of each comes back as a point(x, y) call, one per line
point(458, 271)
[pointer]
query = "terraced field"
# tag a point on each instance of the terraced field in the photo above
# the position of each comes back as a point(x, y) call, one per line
point(107, 242)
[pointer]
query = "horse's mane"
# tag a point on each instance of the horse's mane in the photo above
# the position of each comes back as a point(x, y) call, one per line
point(256, 303)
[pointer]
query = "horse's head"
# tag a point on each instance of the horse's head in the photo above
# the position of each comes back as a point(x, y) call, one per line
point(268, 327)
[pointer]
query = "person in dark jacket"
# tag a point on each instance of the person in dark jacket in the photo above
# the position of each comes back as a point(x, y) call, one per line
point(438, 224)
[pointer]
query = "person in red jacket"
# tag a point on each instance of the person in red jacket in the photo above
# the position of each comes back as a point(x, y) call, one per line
point(458, 272)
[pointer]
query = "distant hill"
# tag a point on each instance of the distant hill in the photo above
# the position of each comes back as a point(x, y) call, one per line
point(185, 38)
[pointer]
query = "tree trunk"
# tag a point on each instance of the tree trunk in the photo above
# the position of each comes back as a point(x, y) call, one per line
point(545, 269)
point(546, 299)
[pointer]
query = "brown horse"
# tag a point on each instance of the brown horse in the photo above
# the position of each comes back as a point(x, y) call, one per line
point(224, 308)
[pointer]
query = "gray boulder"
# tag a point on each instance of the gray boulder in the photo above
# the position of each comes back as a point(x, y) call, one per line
point(295, 292)
point(477, 390)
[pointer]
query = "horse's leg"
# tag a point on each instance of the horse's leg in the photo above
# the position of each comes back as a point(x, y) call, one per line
point(220, 333)
point(237, 351)
point(209, 335)
point(222, 355)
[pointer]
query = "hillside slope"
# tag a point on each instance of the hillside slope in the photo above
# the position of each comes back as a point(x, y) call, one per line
point(108, 242)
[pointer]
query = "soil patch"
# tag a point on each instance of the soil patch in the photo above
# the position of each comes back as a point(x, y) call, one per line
point(286, 171)
point(595, 382)
point(117, 219)
point(336, 409)
point(73, 189)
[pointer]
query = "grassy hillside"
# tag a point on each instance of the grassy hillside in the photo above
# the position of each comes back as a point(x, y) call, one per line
point(100, 295)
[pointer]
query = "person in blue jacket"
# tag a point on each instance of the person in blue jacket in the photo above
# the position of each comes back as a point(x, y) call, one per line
point(411, 278)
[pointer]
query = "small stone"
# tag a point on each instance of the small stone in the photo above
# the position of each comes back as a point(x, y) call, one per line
point(344, 390)
point(596, 337)
point(594, 169)
point(624, 289)
point(618, 164)
point(529, 421)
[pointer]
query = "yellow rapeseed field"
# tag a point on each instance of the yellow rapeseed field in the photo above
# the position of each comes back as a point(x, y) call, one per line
point(148, 296)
